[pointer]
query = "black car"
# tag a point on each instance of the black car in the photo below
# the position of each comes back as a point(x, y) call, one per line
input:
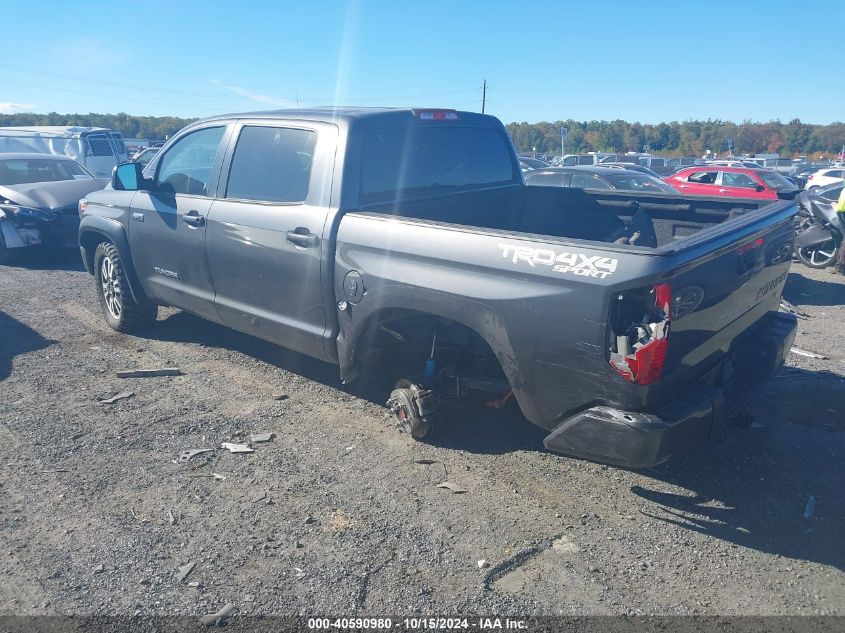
point(597, 177)
point(633, 167)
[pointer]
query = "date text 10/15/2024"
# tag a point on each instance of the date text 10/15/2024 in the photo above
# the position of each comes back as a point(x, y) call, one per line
point(417, 624)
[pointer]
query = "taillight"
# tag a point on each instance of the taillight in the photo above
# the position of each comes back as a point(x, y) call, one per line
point(639, 351)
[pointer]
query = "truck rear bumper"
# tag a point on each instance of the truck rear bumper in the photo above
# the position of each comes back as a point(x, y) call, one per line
point(687, 419)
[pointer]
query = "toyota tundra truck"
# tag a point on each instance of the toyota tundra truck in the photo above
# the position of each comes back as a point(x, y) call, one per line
point(631, 326)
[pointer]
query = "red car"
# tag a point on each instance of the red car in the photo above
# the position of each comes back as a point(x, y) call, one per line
point(736, 182)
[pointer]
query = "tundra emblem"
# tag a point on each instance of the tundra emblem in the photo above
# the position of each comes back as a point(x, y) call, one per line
point(561, 262)
point(165, 272)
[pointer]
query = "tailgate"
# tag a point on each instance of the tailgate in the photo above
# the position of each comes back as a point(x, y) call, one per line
point(720, 285)
point(718, 297)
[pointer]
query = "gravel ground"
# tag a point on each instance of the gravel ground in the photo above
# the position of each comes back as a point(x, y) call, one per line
point(337, 515)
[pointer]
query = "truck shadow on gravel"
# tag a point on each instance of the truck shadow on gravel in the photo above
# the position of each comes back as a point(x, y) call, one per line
point(15, 339)
point(68, 259)
point(752, 487)
point(802, 290)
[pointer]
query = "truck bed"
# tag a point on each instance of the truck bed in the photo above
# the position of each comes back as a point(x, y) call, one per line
point(593, 215)
point(534, 274)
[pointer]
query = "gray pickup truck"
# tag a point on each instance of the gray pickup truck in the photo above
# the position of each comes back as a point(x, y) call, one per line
point(631, 326)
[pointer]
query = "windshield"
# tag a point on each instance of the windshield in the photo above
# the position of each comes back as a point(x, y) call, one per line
point(775, 181)
point(21, 171)
point(638, 182)
point(422, 158)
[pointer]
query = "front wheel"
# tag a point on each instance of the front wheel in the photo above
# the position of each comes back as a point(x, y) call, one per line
point(818, 256)
point(121, 311)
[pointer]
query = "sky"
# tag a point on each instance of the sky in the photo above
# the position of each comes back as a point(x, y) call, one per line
point(638, 60)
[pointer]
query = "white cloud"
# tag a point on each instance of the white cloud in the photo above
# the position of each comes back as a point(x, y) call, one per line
point(7, 107)
point(260, 98)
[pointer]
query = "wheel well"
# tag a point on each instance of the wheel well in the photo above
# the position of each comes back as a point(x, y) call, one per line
point(401, 340)
point(89, 242)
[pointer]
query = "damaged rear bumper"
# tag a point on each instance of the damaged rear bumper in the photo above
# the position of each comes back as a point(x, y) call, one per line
point(684, 421)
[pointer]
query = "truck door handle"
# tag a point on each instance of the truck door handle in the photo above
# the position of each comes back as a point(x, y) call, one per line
point(301, 236)
point(723, 191)
point(684, 186)
point(193, 218)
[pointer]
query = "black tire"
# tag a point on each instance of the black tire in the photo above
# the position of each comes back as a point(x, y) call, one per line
point(816, 257)
point(120, 310)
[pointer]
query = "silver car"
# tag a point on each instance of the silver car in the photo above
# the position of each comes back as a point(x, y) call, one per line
point(39, 197)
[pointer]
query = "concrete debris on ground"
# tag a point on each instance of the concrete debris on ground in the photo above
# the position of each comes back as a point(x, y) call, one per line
point(184, 571)
point(149, 373)
point(123, 395)
point(185, 456)
point(217, 619)
point(454, 488)
point(237, 448)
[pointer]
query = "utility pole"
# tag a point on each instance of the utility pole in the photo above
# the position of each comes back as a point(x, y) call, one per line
point(484, 97)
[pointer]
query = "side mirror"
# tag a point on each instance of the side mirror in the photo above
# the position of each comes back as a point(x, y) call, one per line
point(128, 177)
point(759, 188)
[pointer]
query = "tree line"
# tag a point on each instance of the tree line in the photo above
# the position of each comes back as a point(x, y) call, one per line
point(687, 138)
point(131, 126)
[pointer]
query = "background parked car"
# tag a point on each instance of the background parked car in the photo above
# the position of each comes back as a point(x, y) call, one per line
point(633, 167)
point(830, 192)
point(587, 177)
point(145, 155)
point(826, 176)
point(530, 163)
point(737, 182)
point(97, 149)
point(39, 198)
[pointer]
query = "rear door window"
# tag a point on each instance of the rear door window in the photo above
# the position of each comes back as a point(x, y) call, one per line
point(703, 177)
point(272, 164)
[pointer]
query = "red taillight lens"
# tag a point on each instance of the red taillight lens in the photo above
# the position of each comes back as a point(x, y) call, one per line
point(663, 299)
point(647, 363)
point(644, 360)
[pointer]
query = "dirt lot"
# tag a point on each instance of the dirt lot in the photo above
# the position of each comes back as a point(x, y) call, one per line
point(337, 516)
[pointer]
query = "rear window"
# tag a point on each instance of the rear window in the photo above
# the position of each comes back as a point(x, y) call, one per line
point(775, 181)
point(419, 159)
point(98, 145)
point(638, 182)
point(831, 193)
point(545, 179)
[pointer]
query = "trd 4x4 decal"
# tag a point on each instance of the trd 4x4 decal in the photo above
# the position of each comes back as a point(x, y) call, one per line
point(563, 262)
